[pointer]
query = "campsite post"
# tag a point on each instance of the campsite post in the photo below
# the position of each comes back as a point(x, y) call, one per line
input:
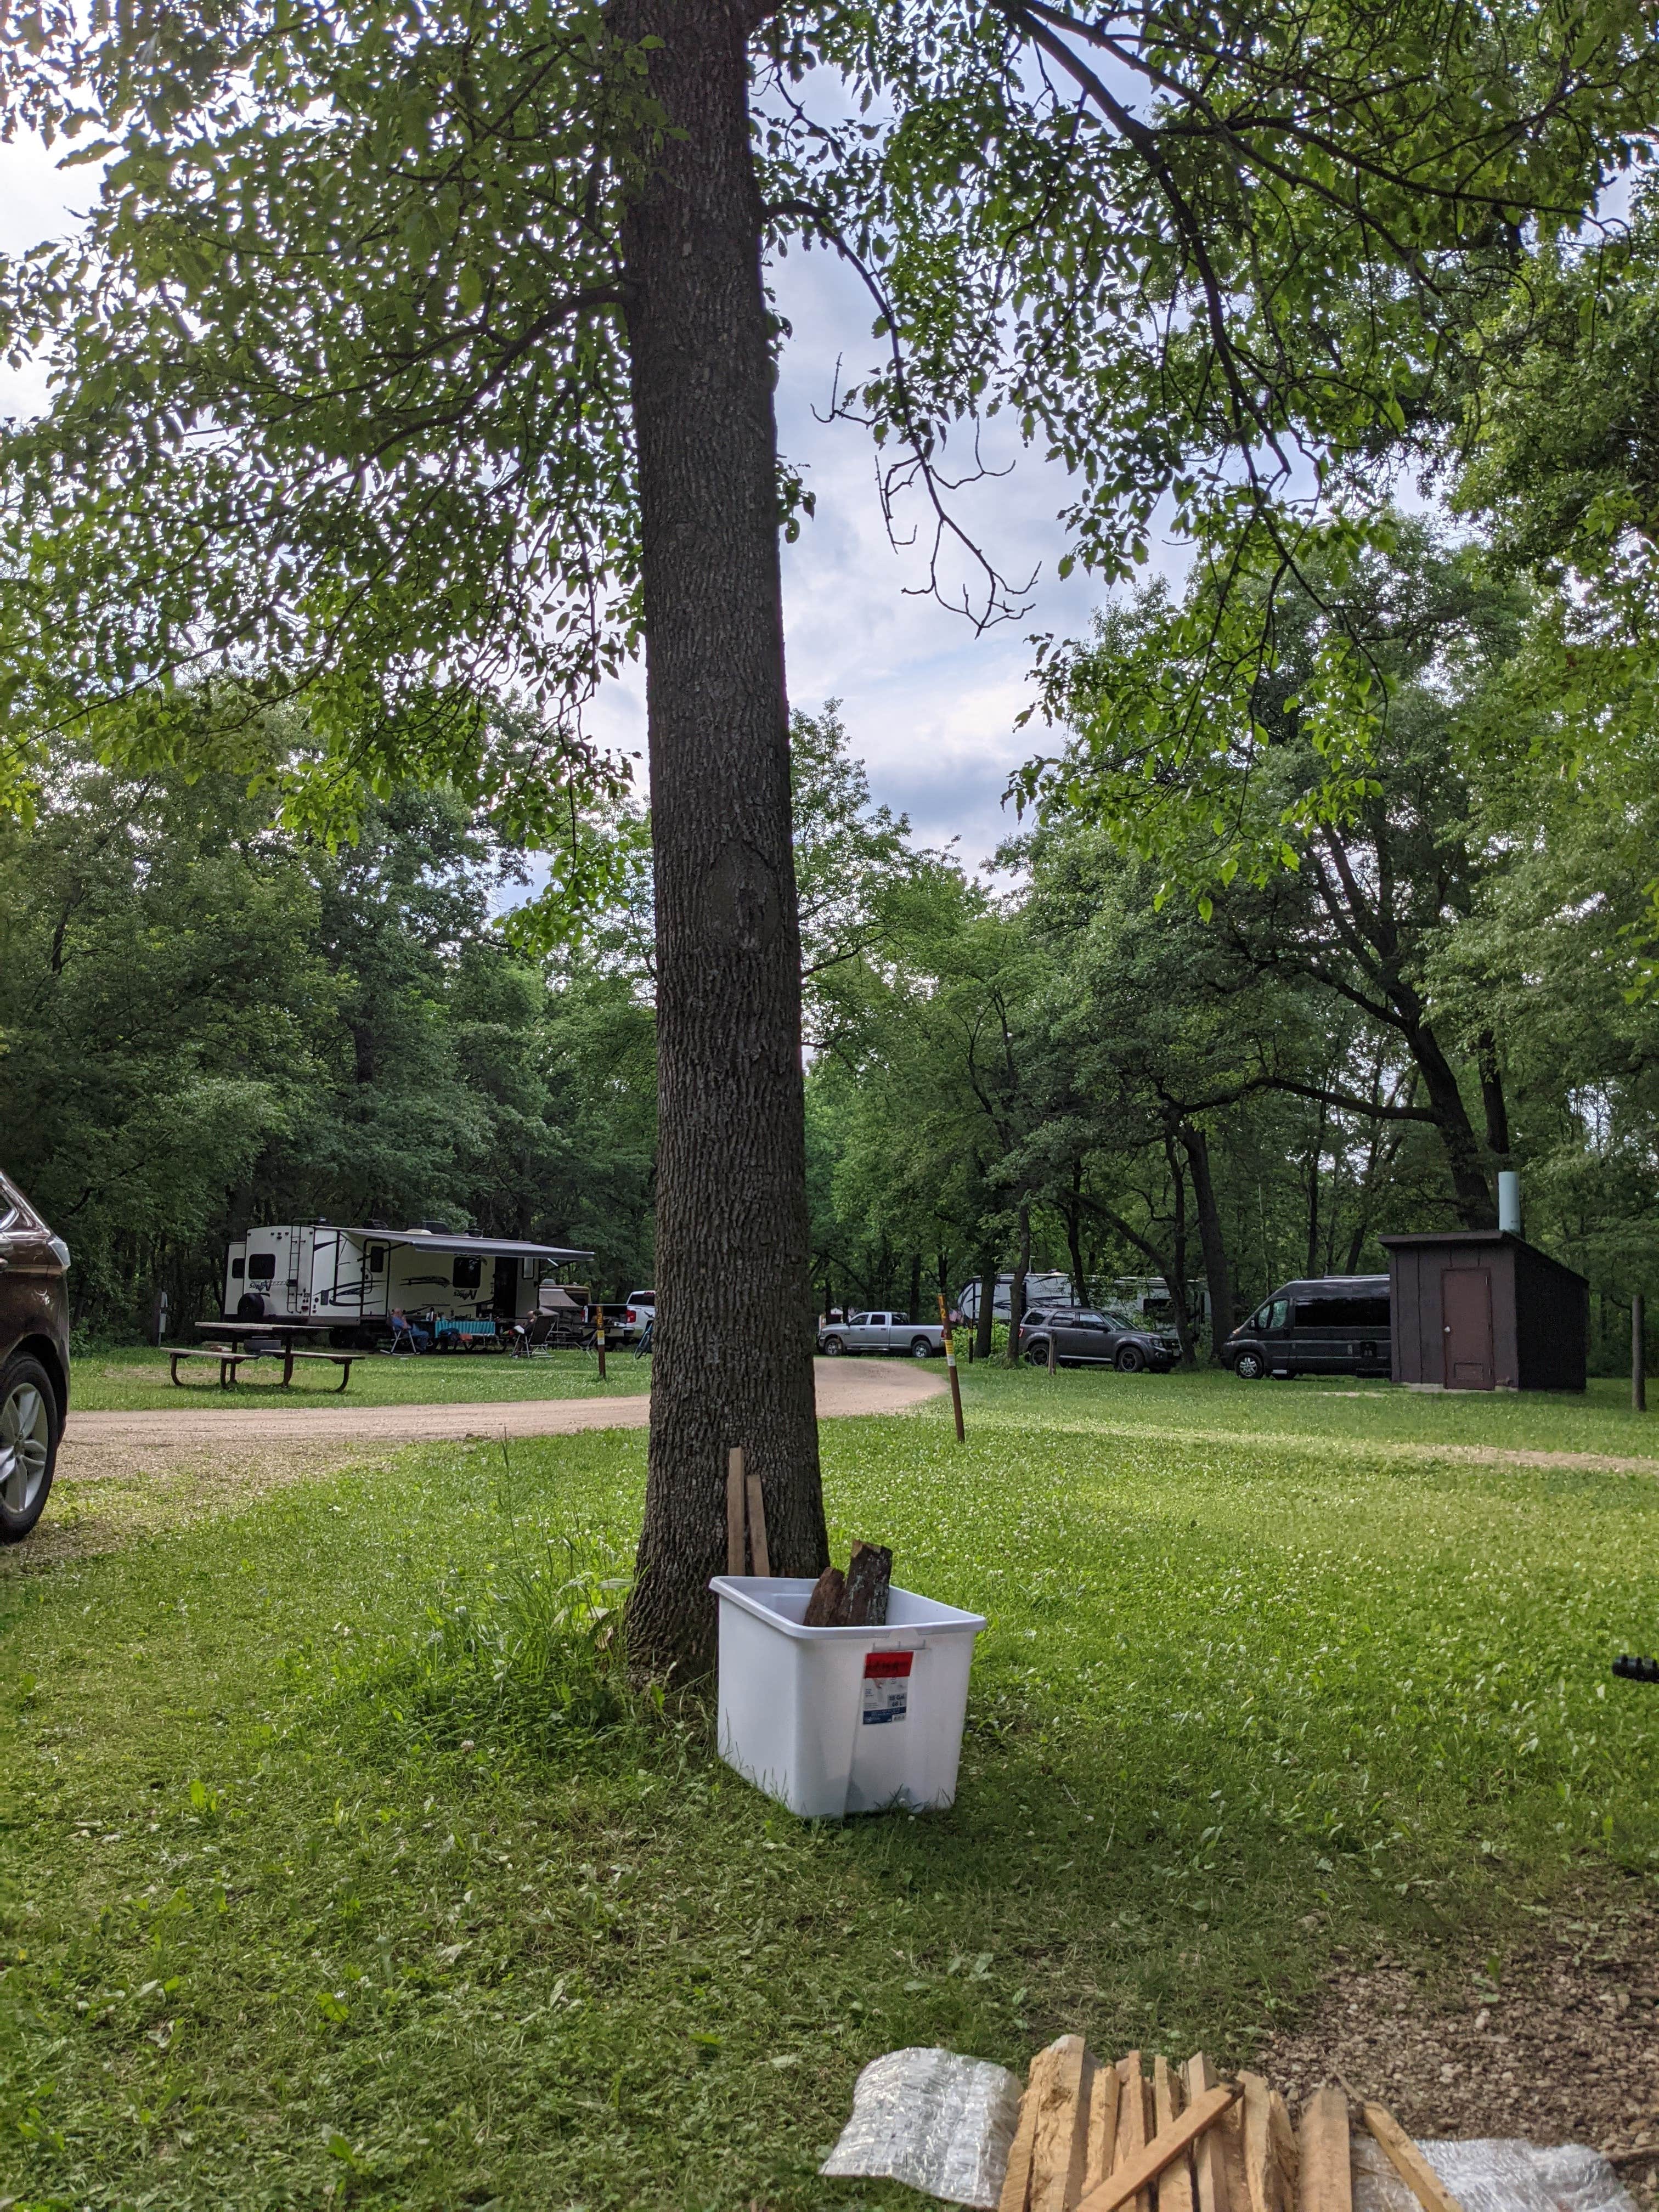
point(598, 1339)
point(950, 1362)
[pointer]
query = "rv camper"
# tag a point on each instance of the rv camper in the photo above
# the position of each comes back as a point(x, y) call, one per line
point(318, 1271)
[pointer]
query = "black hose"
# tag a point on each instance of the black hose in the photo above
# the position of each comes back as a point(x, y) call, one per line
point(1631, 1669)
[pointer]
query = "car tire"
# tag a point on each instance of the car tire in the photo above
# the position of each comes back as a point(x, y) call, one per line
point(1249, 1367)
point(833, 1348)
point(919, 1348)
point(1037, 1355)
point(29, 1429)
point(1130, 1360)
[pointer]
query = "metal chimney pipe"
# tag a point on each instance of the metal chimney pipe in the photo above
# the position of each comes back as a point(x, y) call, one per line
point(1509, 1202)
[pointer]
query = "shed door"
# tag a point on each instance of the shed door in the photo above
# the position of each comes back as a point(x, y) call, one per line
point(1466, 1314)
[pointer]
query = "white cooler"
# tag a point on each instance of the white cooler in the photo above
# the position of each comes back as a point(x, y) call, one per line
point(832, 1721)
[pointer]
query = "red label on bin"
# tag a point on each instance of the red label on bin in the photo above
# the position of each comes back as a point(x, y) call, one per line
point(879, 1663)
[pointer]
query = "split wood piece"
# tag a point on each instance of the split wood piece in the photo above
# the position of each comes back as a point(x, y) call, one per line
point(1209, 2167)
point(1407, 2161)
point(1134, 2177)
point(869, 1574)
point(1105, 2087)
point(1265, 2179)
point(1325, 2172)
point(1060, 2148)
point(828, 1602)
point(1175, 2189)
point(1017, 2183)
point(736, 1559)
point(1132, 2123)
point(757, 1545)
point(1281, 2145)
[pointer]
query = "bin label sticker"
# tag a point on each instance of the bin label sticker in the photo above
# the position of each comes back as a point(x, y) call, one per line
point(886, 1686)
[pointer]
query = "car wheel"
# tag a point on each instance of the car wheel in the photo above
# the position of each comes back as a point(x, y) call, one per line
point(1037, 1355)
point(1249, 1367)
point(919, 1348)
point(1131, 1360)
point(833, 1348)
point(28, 1445)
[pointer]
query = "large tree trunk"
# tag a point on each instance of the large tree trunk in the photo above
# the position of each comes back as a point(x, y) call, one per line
point(733, 1345)
point(1477, 1207)
point(1217, 1275)
point(1017, 1289)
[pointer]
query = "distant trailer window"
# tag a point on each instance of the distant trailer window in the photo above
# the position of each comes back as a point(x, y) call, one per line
point(262, 1267)
point(469, 1273)
point(237, 1270)
point(377, 1259)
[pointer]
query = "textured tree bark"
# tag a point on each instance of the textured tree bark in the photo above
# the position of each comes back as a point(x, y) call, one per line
point(733, 1343)
point(1217, 1275)
point(1016, 1288)
point(986, 1320)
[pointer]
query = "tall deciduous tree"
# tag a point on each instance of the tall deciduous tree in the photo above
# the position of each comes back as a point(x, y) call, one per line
point(411, 351)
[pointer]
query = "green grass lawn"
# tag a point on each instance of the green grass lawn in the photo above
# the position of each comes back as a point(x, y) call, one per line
point(137, 1380)
point(333, 1862)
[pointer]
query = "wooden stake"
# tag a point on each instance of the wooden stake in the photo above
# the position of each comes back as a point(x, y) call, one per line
point(1325, 2172)
point(1104, 2089)
point(1053, 1362)
point(1016, 2182)
point(762, 1557)
point(1174, 2190)
point(1060, 2151)
point(736, 1562)
point(1209, 2169)
point(1136, 2175)
point(598, 1339)
point(951, 1363)
point(1132, 2129)
point(1407, 2161)
point(1259, 2174)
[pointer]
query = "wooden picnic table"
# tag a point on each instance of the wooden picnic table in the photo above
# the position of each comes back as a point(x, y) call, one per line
point(238, 1333)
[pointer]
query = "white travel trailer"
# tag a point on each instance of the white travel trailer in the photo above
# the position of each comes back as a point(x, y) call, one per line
point(321, 1270)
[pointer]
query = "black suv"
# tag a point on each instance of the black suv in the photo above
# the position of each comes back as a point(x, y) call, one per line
point(35, 1367)
point(1084, 1337)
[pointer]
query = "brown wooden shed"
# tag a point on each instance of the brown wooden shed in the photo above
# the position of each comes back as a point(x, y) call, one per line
point(1481, 1309)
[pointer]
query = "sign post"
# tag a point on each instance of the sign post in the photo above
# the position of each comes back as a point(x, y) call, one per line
point(951, 1361)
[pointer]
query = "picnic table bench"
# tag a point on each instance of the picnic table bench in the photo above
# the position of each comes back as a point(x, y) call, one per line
point(231, 1358)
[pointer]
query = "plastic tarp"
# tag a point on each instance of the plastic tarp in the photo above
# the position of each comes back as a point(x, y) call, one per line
point(1494, 2173)
point(943, 2124)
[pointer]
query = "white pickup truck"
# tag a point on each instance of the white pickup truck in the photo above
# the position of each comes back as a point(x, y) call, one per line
point(880, 1332)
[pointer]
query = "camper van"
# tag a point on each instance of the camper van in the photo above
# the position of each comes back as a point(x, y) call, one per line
point(321, 1270)
point(1322, 1325)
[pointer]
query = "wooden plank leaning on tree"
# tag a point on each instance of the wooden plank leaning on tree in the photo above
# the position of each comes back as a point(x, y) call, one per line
point(1016, 2182)
point(1133, 2130)
point(1324, 2172)
point(1133, 2178)
point(1175, 2188)
point(1105, 2089)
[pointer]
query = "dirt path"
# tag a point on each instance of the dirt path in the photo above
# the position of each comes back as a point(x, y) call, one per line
point(844, 1386)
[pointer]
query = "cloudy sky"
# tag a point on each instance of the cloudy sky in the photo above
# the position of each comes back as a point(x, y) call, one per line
point(929, 704)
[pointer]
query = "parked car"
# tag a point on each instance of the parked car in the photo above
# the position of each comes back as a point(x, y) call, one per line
point(34, 1361)
point(639, 1311)
point(1323, 1325)
point(880, 1332)
point(1085, 1336)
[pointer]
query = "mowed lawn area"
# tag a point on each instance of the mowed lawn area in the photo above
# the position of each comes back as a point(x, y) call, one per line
point(335, 1860)
point(137, 1380)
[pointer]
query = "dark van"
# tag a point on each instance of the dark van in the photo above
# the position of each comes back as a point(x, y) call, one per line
point(1328, 1324)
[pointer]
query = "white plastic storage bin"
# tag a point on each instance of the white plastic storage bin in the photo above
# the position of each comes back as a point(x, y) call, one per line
point(833, 1721)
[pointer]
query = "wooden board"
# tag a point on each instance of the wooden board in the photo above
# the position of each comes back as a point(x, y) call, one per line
point(1132, 2129)
point(1325, 2170)
point(1281, 2147)
point(1104, 2086)
point(1260, 2169)
point(1209, 2168)
point(1016, 2182)
point(757, 1543)
point(1059, 2146)
point(1175, 2188)
point(736, 1559)
point(1133, 2179)
point(1408, 2162)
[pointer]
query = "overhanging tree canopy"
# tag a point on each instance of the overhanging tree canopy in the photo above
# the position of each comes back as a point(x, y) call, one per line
point(413, 353)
